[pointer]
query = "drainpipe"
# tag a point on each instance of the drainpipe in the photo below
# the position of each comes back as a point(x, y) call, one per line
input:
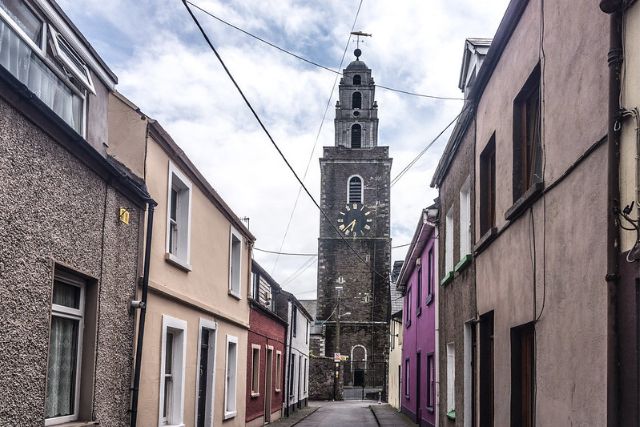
point(615, 9)
point(143, 310)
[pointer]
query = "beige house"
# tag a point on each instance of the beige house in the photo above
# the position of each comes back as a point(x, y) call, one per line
point(197, 312)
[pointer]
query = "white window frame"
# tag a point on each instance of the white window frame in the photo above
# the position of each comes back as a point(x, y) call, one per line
point(182, 260)
point(361, 188)
point(178, 370)
point(465, 219)
point(448, 247)
point(278, 370)
point(255, 388)
point(305, 374)
point(232, 286)
point(75, 314)
point(230, 414)
point(83, 75)
point(407, 383)
point(40, 51)
point(451, 377)
point(211, 326)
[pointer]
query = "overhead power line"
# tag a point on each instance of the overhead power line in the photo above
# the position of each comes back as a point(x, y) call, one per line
point(315, 143)
point(275, 145)
point(309, 61)
point(309, 254)
point(285, 253)
point(421, 153)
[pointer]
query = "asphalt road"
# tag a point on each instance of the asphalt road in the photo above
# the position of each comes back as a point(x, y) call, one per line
point(337, 414)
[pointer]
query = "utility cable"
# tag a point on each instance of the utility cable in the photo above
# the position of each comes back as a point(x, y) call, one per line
point(309, 61)
point(285, 253)
point(313, 150)
point(275, 145)
point(421, 153)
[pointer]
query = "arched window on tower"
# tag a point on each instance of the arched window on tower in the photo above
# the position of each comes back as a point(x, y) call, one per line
point(354, 191)
point(356, 136)
point(357, 80)
point(356, 100)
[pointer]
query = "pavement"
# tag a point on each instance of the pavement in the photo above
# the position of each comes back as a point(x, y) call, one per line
point(388, 416)
point(348, 413)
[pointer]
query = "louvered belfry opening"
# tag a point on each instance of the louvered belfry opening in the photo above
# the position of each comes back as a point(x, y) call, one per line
point(355, 190)
point(356, 136)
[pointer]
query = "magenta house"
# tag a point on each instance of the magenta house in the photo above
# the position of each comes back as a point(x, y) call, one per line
point(417, 282)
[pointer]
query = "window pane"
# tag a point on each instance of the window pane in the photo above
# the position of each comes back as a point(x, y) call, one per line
point(24, 17)
point(18, 58)
point(168, 361)
point(63, 358)
point(67, 295)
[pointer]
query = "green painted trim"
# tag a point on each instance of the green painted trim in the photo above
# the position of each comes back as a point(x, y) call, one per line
point(451, 414)
point(446, 279)
point(464, 261)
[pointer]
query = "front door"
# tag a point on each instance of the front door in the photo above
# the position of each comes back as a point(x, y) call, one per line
point(268, 385)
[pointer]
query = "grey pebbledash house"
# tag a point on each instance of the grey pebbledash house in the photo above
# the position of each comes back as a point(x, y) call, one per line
point(70, 228)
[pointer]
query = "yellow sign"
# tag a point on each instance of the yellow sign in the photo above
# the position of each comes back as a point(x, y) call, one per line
point(124, 216)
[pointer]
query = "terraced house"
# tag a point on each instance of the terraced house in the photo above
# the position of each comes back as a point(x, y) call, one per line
point(71, 223)
point(195, 334)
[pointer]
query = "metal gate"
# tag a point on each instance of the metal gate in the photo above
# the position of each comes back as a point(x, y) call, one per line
point(364, 380)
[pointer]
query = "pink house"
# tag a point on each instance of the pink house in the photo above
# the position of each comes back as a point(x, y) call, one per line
point(417, 282)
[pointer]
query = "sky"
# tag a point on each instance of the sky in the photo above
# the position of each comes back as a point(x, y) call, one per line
point(165, 67)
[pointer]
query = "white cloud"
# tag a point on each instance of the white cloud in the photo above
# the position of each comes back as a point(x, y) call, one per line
point(165, 67)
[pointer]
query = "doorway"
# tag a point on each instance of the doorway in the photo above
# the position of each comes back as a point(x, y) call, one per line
point(268, 384)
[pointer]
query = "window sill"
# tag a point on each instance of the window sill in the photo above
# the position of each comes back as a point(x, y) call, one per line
point(177, 262)
point(485, 240)
point(418, 310)
point(254, 394)
point(451, 414)
point(76, 424)
point(447, 279)
point(228, 415)
point(429, 299)
point(526, 200)
point(430, 409)
point(277, 390)
point(235, 295)
point(463, 263)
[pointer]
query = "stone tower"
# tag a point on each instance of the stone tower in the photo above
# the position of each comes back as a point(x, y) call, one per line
point(355, 193)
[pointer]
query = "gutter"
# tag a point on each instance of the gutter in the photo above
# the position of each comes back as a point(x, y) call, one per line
point(142, 304)
point(615, 9)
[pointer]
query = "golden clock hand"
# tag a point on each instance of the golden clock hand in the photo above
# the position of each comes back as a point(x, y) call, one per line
point(352, 224)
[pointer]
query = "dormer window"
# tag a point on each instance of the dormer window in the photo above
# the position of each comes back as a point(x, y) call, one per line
point(356, 100)
point(357, 80)
point(356, 136)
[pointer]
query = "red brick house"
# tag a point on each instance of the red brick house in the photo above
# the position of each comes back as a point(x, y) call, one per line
point(265, 351)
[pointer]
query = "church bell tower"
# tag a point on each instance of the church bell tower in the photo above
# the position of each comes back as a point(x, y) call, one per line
point(354, 262)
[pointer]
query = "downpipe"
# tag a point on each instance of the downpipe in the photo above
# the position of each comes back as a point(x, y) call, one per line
point(142, 305)
point(615, 57)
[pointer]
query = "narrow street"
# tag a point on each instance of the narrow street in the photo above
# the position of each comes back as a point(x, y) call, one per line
point(336, 414)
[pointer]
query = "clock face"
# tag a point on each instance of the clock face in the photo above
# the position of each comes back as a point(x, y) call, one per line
point(355, 220)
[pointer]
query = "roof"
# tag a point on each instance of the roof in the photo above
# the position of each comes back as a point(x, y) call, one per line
point(68, 22)
point(506, 28)
point(158, 132)
point(396, 296)
point(507, 25)
point(295, 301)
point(357, 65)
point(449, 153)
point(480, 46)
point(424, 232)
point(263, 273)
point(310, 305)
